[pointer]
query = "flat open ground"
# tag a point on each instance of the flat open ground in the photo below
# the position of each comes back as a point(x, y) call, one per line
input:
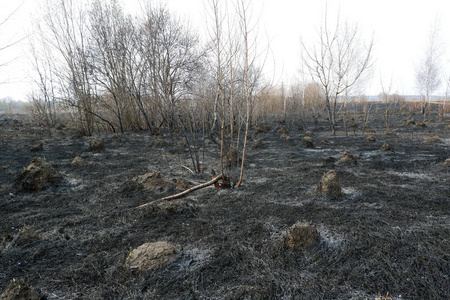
point(388, 233)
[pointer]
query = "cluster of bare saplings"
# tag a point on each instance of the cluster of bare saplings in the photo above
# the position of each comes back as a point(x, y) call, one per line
point(100, 69)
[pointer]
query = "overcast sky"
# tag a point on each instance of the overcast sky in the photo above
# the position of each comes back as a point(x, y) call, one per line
point(400, 29)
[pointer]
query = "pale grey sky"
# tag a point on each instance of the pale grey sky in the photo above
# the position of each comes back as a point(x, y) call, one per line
point(400, 29)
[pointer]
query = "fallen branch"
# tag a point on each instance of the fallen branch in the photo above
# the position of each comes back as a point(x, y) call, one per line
point(194, 188)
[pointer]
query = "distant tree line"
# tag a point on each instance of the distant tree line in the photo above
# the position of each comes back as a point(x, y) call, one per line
point(9, 105)
point(107, 70)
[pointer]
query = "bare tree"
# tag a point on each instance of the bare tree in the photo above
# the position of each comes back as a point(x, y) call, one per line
point(112, 38)
point(64, 37)
point(43, 100)
point(366, 109)
point(118, 72)
point(388, 101)
point(444, 103)
point(233, 44)
point(428, 78)
point(236, 75)
point(243, 11)
point(216, 35)
point(173, 56)
point(336, 61)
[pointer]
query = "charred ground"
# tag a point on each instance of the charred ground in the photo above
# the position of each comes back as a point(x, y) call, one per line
point(389, 232)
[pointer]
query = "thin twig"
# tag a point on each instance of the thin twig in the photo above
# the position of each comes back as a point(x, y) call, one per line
point(188, 169)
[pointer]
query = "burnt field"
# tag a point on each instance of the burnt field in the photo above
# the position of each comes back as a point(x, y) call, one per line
point(386, 236)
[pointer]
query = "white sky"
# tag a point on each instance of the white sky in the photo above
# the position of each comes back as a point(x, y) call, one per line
point(400, 29)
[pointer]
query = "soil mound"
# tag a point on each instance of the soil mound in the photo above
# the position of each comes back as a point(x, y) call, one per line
point(78, 162)
point(307, 142)
point(96, 145)
point(370, 138)
point(150, 256)
point(283, 130)
point(347, 159)
point(37, 176)
point(386, 147)
point(433, 139)
point(152, 181)
point(329, 185)
point(301, 235)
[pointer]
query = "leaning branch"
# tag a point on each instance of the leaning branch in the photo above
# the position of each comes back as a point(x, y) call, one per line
point(194, 188)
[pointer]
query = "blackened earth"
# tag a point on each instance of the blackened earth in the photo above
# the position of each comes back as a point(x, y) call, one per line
point(389, 234)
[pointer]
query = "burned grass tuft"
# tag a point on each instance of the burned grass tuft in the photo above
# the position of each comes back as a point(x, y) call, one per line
point(150, 256)
point(347, 159)
point(96, 145)
point(433, 140)
point(301, 235)
point(37, 176)
point(370, 138)
point(386, 147)
point(329, 185)
point(307, 142)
